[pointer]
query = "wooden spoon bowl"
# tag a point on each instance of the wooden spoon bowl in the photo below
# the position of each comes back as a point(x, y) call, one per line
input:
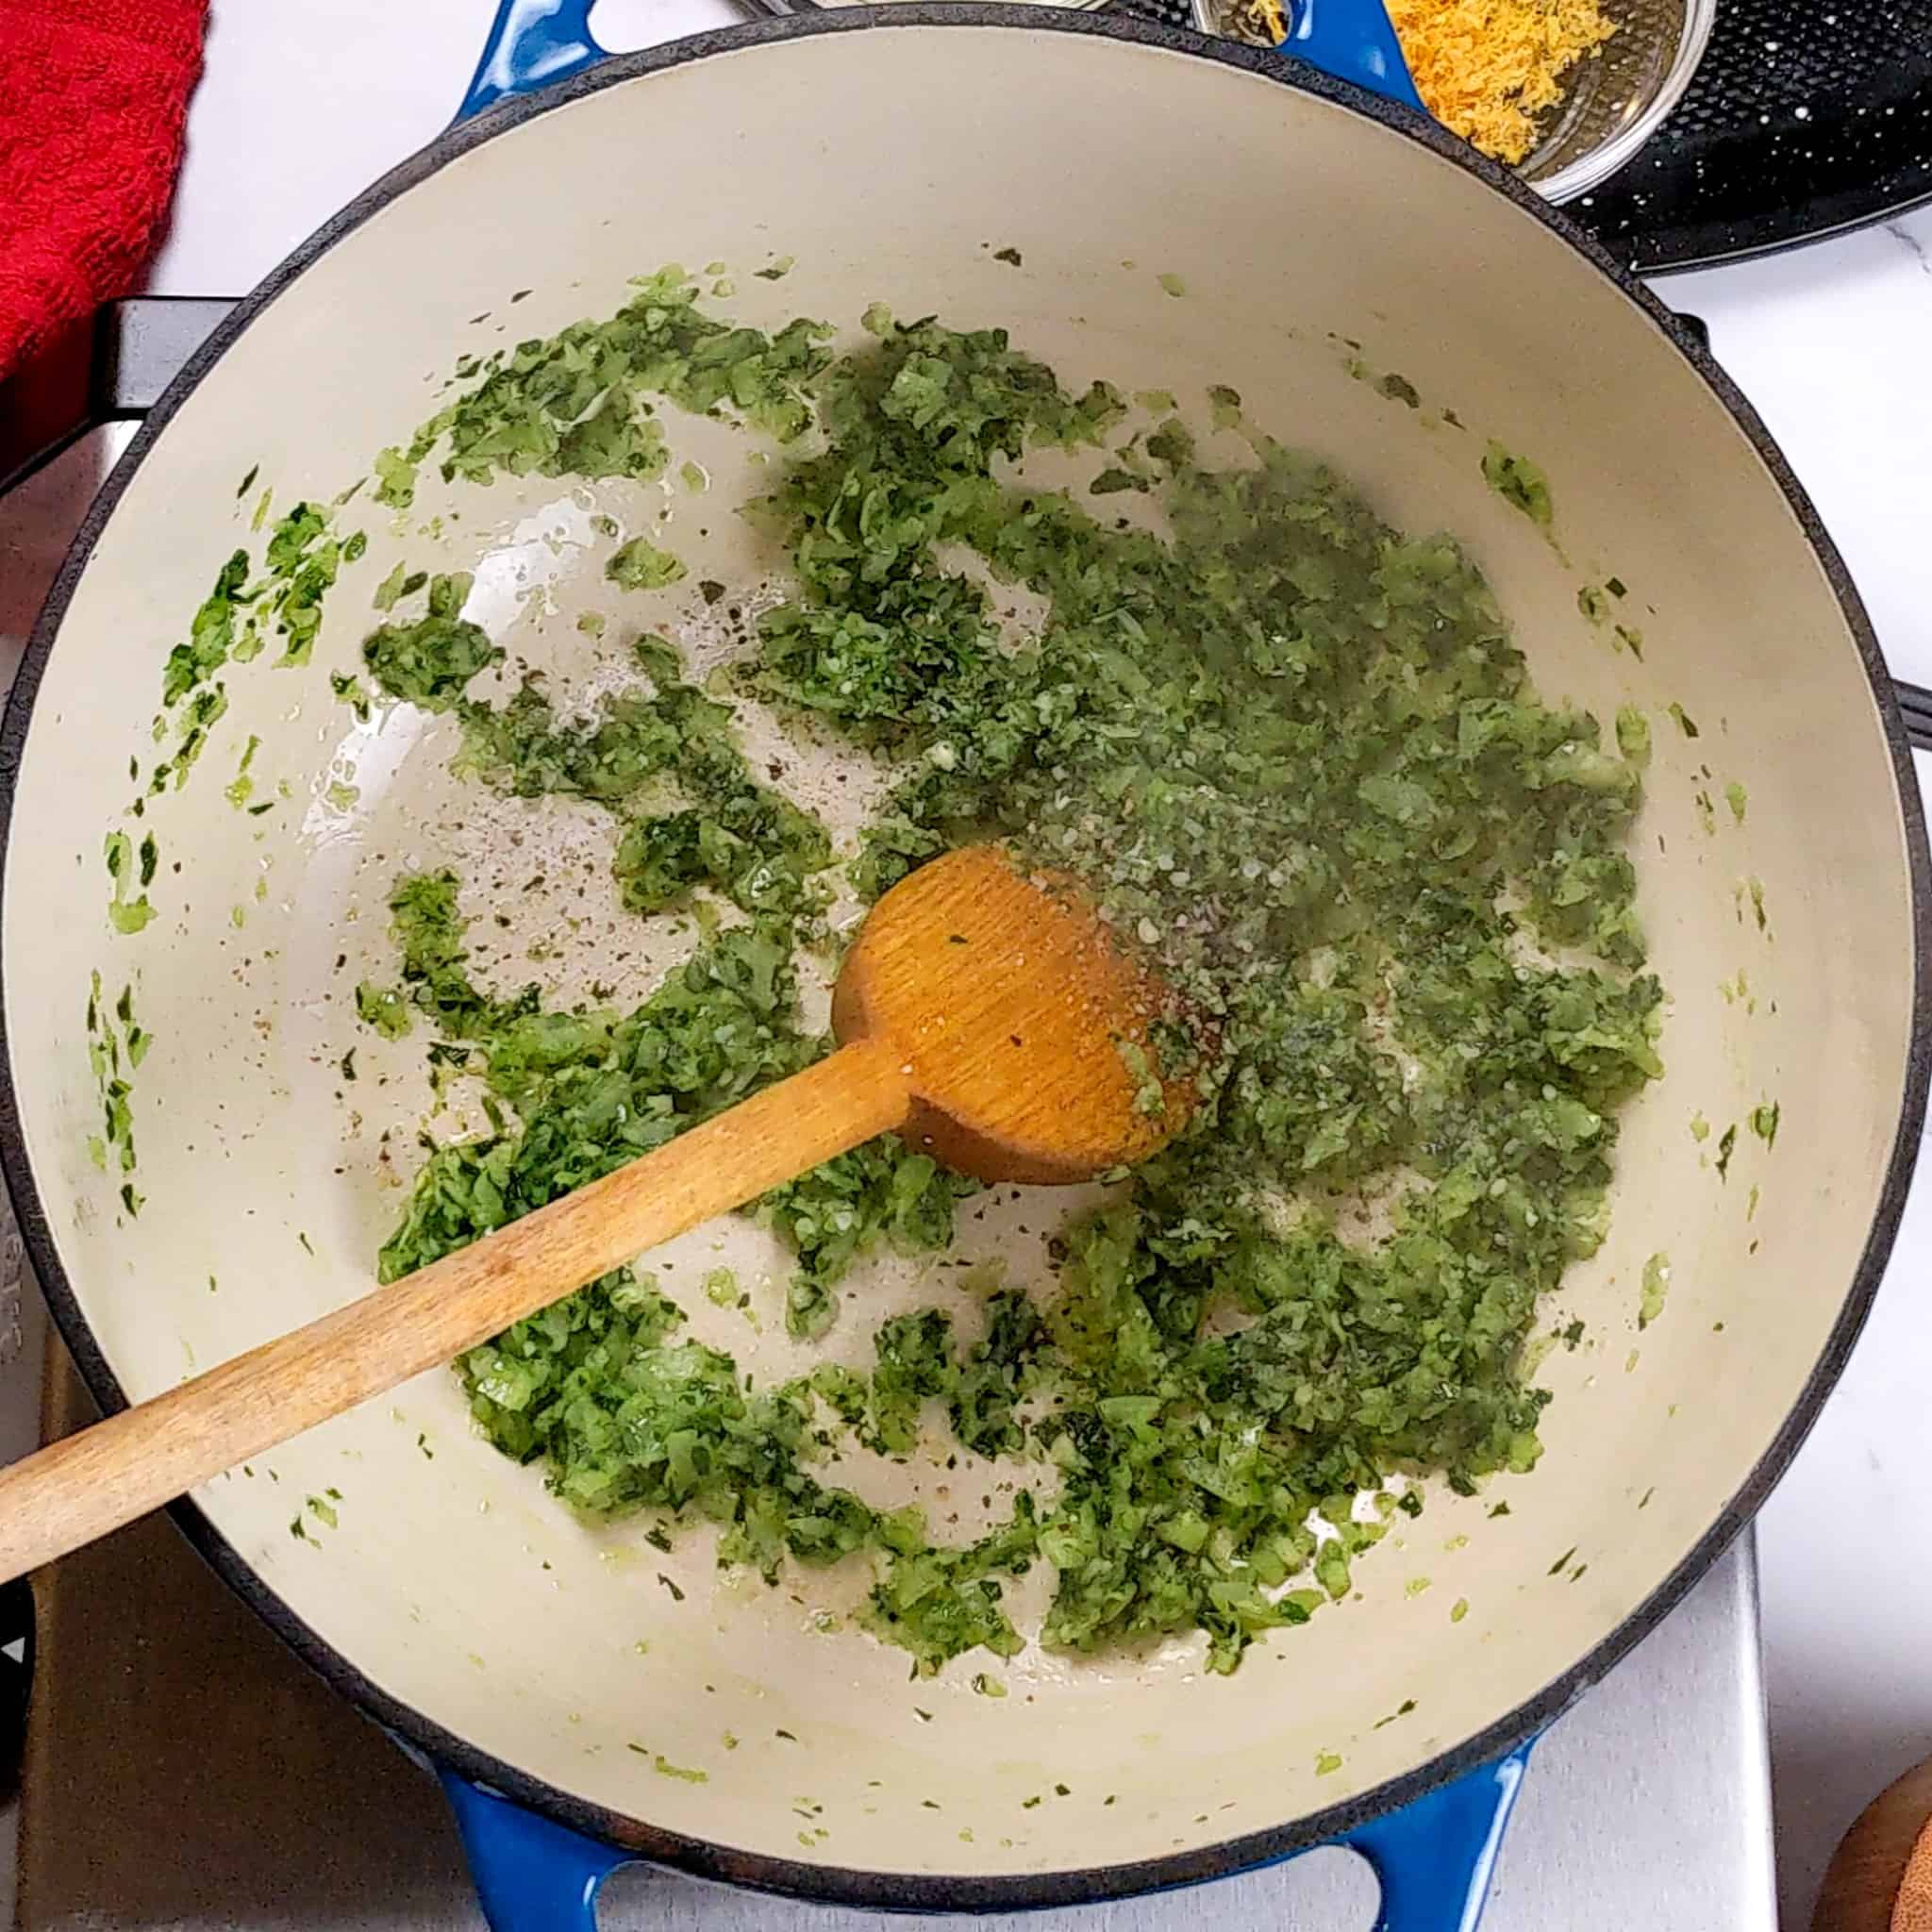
point(987, 1013)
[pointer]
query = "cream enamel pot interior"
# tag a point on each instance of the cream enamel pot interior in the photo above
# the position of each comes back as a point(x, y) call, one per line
point(454, 1599)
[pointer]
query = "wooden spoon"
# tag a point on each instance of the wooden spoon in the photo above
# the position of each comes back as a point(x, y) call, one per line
point(982, 1015)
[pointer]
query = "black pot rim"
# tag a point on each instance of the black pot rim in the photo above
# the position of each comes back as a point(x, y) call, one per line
point(969, 1892)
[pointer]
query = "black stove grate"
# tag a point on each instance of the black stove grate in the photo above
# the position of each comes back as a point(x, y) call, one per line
point(1802, 120)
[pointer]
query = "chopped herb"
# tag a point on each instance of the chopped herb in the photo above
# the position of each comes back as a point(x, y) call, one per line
point(1657, 1286)
point(390, 588)
point(640, 566)
point(126, 914)
point(1764, 1124)
point(351, 691)
point(430, 661)
point(1518, 482)
point(1200, 722)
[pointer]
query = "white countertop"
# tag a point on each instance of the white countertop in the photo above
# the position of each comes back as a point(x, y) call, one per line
point(1829, 344)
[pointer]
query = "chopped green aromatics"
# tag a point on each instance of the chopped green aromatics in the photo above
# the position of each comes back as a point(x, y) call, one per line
point(1726, 1146)
point(126, 914)
point(1010, 255)
point(383, 1008)
point(575, 404)
point(1764, 1123)
point(1224, 405)
point(1172, 284)
point(1594, 604)
point(353, 692)
point(1656, 1285)
point(640, 566)
point(1398, 389)
point(1631, 638)
point(1327, 1763)
point(401, 582)
point(1632, 735)
point(1519, 481)
point(430, 661)
point(1686, 723)
point(1738, 797)
point(113, 1058)
point(1295, 752)
point(236, 622)
point(242, 786)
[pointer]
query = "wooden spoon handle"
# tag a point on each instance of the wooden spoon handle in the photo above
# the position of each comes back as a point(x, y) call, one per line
point(89, 1484)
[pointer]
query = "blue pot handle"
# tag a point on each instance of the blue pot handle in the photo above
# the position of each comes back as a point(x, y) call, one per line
point(531, 43)
point(1434, 1858)
point(1353, 40)
point(531, 1876)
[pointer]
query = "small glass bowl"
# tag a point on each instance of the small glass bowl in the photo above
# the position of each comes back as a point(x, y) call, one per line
point(1614, 100)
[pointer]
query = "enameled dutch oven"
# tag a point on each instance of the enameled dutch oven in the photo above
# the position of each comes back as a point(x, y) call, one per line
point(540, 1662)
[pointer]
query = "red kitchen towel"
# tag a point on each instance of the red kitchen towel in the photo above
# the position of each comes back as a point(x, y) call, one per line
point(94, 94)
